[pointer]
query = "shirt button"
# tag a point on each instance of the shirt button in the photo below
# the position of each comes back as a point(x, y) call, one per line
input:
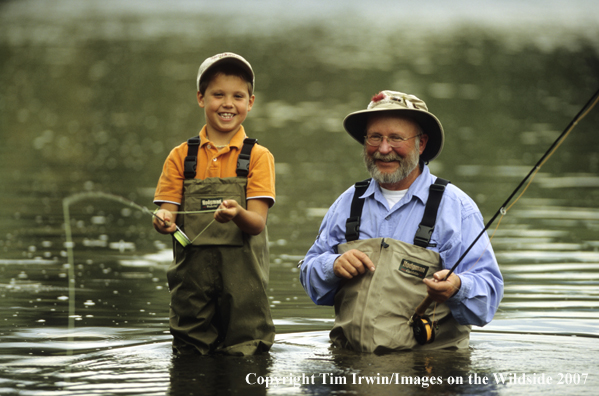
point(214, 159)
point(209, 146)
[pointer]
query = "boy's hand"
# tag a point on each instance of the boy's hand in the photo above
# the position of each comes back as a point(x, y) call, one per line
point(227, 211)
point(251, 220)
point(167, 226)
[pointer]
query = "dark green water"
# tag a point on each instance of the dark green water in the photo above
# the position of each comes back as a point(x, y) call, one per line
point(94, 98)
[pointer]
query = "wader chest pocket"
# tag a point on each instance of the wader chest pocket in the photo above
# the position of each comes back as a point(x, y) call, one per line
point(207, 195)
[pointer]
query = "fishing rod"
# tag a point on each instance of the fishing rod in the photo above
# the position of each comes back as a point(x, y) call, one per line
point(423, 327)
point(178, 235)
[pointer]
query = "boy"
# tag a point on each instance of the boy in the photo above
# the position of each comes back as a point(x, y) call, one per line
point(219, 274)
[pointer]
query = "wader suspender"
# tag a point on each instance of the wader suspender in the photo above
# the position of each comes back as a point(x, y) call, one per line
point(426, 227)
point(191, 161)
point(352, 225)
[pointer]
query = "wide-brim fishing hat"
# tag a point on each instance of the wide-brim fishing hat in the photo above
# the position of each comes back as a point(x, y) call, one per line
point(403, 105)
point(225, 57)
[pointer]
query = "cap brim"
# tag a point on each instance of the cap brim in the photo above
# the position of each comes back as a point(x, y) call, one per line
point(231, 60)
point(355, 125)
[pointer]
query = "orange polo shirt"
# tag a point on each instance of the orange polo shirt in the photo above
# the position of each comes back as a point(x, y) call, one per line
point(217, 162)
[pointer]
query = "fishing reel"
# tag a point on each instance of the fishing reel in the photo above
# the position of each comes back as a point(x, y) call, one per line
point(422, 325)
point(424, 329)
point(181, 237)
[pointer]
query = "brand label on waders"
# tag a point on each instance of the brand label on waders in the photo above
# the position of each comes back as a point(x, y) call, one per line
point(210, 203)
point(412, 268)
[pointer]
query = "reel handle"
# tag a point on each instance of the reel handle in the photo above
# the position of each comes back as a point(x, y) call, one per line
point(421, 309)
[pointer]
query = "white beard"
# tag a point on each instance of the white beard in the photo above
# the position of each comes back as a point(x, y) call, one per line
point(406, 165)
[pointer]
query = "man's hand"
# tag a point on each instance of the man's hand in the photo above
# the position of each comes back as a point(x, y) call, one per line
point(441, 290)
point(352, 263)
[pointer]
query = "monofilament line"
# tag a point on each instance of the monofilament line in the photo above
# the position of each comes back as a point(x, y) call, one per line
point(69, 244)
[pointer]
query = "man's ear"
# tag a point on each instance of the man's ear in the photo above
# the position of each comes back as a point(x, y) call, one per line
point(423, 141)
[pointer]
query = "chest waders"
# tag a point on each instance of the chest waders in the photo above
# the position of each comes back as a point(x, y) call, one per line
point(373, 310)
point(218, 283)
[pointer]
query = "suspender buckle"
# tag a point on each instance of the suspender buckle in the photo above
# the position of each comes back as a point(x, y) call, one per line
point(191, 161)
point(243, 165)
point(190, 164)
point(423, 235)
point(437, 188)
point(352, 229)
point(243, 160)
point(427, 225)
point(352, 225)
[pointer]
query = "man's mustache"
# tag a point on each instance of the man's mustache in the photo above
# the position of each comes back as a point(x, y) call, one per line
point(386, 157)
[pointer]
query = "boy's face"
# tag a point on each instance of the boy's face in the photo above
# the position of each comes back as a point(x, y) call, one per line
point(226, 103)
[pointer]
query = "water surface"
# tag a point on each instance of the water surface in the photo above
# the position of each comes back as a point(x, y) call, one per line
point(94, 97)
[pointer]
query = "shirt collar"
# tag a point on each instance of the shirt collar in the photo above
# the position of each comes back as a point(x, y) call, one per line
point(420, 187)
point(236, 140)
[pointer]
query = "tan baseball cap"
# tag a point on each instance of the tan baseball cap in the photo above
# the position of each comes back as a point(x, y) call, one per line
point(402, 104)
point(225, 57)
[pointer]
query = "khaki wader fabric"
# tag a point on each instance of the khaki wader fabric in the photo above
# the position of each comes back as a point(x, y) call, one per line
point(218, 284)
point(372, 310)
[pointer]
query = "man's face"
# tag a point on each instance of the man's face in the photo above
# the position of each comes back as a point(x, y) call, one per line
point(393, 167)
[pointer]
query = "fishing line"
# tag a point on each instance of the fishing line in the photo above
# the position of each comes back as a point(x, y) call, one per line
point(419, 319)
point(503, 210)
point(70, 245)
point(530, 177)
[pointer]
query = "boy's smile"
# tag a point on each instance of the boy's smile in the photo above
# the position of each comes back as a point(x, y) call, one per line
point(226, 104)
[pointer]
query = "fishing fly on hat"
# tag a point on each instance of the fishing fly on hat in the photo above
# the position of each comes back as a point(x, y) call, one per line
point(403, 105)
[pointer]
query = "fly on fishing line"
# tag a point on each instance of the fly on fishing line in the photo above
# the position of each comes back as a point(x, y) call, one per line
point(423, 326)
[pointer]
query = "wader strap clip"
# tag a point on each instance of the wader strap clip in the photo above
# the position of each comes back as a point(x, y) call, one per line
point(423, 235)
point(427, 225)
point(243, 161)
point(191, 161)
point(352, 225)
point(352, 229)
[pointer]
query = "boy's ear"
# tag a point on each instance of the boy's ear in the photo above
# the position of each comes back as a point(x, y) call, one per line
point(200, 99)
point(251, 102)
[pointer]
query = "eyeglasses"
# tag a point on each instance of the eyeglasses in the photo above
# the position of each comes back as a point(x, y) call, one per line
point(393, 140)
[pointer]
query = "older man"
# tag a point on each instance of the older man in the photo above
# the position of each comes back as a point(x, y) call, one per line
point(388, 242)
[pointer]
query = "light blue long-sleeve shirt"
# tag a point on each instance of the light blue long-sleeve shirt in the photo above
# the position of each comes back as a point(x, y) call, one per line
point(458, 223)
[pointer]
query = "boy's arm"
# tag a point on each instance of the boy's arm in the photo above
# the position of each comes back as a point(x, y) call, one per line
point(251, 221)
point(166, 213)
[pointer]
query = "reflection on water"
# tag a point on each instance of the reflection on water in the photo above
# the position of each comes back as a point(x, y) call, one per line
point(304, 363)
point(94, 102)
